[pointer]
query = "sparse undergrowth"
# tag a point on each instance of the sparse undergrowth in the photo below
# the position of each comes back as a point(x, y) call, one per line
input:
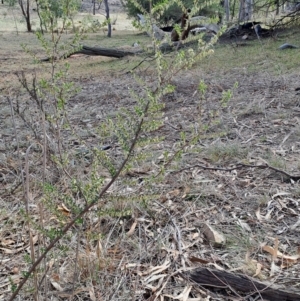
point(132, 244)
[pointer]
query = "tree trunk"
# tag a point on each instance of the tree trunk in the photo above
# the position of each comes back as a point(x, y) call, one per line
point(233, 10)
point(94, 7)
point(246, 10)
point(107, 18)
point(117, 53)
point(41, 21)
point(227, 9)
point(277, 7)
point(26, 13)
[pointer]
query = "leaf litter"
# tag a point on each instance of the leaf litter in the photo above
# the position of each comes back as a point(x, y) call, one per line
point(140, 255)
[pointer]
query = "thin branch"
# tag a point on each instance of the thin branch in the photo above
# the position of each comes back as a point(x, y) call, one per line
point(241, 166)
point(85, 210)
point(31, 244)
point(141, 62)
point(292, 15)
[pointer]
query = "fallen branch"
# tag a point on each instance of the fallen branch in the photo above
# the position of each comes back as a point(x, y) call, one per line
point(241, 166)
point(116, 53)
point(240, 284)
point(110, 52)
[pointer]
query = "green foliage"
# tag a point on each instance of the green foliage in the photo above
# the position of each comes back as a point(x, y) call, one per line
point(227, 95)
point(165, 12)
point(50, 11)
point(11, 2)
point(274, 160)
point(223, 152)
point(13, 285)
point(53, 9)
point(96, 176)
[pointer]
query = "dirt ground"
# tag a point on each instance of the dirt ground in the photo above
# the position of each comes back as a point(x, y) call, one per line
point(241, 177)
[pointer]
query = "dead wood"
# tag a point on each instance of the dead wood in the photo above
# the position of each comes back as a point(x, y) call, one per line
point(240, 284)
point(110, 52)
point(241, 166)
point(116, 53)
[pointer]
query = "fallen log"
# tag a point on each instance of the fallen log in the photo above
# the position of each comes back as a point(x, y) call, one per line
point(240, 284)
point(116, 53)
point(110, 52)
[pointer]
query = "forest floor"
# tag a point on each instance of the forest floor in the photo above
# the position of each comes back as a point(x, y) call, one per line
point(240, 177)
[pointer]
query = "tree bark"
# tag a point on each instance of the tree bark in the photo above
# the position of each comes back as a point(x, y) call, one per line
point(237, 283)
point(107, 18)
point(110, 52)
point(277, 7)
point(40, 18)
point(246, 10)
point(227, 9)
point(233, 10)
point(26, 13)
point(117, 53)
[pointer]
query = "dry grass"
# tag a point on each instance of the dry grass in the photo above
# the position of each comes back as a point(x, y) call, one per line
point(135, 242)
point(12, 20)
point(82, 67)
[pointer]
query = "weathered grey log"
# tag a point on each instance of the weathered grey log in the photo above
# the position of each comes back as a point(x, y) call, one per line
point(240, 284)
point(287, 46)
point(117, 53)
point(110, 52)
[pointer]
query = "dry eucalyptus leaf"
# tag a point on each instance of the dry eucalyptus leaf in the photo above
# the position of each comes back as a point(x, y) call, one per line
point(289, 259)
point(173, 193)
point(258, 215)
point(258, 269)
point(132, 228)
point(274, 269)
point(198, 260)
point(186, 191)
point(64, 210)
point(92, 293)
point(6, 242)
point(213, 236)
point(56, 285)
point(244, 225)
point(268, 215)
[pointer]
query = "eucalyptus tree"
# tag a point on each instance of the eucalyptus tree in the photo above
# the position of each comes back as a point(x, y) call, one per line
point(50, 11)
point(107, 18)
point(25, 9)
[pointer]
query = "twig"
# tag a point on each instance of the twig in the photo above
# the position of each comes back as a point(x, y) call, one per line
point(31, 244)
point(177, 233)
point(241, 166)
point(141, 62)
point(86, 208)
point(179, 242)
point(75, 276)
point(289, 15)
